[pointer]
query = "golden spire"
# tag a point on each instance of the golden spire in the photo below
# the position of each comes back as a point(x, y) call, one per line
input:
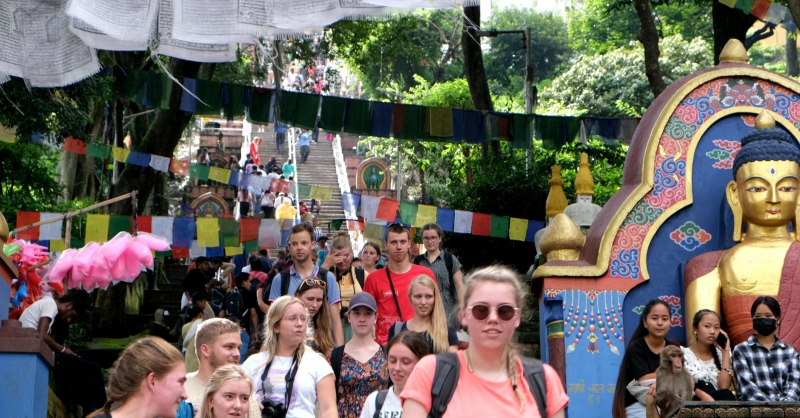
point(734, 51)
point(556, 199)
point(584, 183)
point(562, 239)
point(765, 120)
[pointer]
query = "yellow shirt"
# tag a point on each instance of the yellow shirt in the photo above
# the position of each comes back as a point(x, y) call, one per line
point(348, 287)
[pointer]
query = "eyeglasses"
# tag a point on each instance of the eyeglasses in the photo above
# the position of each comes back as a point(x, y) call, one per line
point(481, 312)
point(295, 318)
point(311, 282)
point(430, 238)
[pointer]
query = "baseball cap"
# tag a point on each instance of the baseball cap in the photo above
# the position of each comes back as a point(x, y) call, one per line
point(363, 299)
point(281, 194)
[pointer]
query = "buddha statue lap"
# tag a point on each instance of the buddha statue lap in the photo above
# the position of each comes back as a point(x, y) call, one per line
point(764, 197)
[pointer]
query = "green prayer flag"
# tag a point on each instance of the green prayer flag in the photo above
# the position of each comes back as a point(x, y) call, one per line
point(129, 83)
point(357, 118)
point(306, 110)
point(288, 106)
point(303, 189)
point(162, 254)
point(235, 106)
point(251, 246)
point(117, 224)
point(521, 132)
point(745, 5)
point(260, 100)
point(98, 151)
point(76, 243)
point(336, 224)
point(408, 212)
point(228, 232)
point(199, 171)
point(499, 226)
point(166, 92)
point(332, 119)
point(412, 118)
point(209, 92)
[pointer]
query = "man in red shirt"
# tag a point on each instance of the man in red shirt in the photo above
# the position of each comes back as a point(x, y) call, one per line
point(389, 286)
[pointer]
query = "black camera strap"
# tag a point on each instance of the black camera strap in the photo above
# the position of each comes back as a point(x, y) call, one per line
point(394, 294)
point(290, 375)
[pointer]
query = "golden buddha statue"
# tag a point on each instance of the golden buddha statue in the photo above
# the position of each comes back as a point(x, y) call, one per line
point(764, 197)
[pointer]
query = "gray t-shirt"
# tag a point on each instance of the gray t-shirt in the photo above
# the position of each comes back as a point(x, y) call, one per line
point(446, 287)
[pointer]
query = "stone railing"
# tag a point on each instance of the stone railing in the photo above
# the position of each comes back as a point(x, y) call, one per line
point(341, 167)
point(737, 409)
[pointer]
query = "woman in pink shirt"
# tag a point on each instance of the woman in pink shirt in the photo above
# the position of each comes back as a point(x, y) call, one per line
point(491, 373)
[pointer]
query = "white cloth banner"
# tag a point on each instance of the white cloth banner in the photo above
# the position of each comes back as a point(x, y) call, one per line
point(463, 222)
point(128, 20)
point(50, 231)
point(162, 226)
point(159, 163)
point(369, 206)
point(269, 233)
point(196, 251)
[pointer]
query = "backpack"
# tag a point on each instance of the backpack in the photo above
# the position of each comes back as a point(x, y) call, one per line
point(445, 379)
point(337, 354)
point(286, 276)
point(233, 304)
point(359, 275)
point(448, 262)
point(379, 401)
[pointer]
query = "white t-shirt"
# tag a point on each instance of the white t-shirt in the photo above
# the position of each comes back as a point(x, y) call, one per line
point(392, 406)
point(43, 308)
point(313, 368)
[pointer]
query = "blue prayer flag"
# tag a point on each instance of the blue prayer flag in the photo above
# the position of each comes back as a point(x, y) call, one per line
point(183, 232)
point(458, 126)
point(382, 119)
point(533, 228)
point(138, 158)
point(215, 252)
point(350, 202)
point(285, 237)
point(474, 127)
point(445, 218)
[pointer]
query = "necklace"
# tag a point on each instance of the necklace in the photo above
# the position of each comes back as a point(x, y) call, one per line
point(469, 366)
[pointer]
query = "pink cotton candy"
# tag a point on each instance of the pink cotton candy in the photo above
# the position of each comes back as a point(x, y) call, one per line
point(113, 249)
point(141, 251)
point(153, 242)
point(62, 265)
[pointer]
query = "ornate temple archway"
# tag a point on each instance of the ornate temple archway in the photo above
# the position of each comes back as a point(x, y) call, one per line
point(210, 205)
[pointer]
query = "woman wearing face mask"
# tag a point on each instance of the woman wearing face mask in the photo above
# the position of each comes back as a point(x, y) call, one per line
point(429, 317)
point(767, 369)
point(403, 352)
point(319, 336)
point(370, 256)
point(707, 361)
point(227, 394)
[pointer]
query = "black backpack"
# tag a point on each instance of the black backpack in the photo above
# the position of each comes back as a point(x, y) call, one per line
point(448, 262)
point(445, 379)
point(359, 275)
point(234, 305)
point(337, 354)
point(380, 399)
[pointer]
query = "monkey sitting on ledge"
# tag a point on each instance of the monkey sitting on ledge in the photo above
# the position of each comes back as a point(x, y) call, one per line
point(674, 385)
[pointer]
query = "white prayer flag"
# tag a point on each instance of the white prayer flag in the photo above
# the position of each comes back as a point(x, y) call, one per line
point(50, 231)
point(269, 233)
point(196, 251)
point(162, 226)
point(369, 206)
point(463, 222)
point(159, 163)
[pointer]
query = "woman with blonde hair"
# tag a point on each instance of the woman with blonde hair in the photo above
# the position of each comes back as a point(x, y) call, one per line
point(429, 317)
point(147, 381)
point(227, 394)
point(492, 374)
point(349, 278)
point(319, 335)
point(287, 376)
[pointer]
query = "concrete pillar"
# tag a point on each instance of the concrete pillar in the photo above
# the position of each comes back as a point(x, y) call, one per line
point(25, 362)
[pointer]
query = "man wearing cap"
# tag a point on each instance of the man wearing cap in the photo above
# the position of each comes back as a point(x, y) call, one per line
point(280, 199)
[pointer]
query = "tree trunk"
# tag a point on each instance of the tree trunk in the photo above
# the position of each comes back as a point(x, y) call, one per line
point(648, 36)
point(729, 24)
point(792, 65)
point(475, 71)
point(66, 169)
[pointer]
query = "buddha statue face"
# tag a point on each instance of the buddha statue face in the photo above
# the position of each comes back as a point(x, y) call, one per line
point(766, 192)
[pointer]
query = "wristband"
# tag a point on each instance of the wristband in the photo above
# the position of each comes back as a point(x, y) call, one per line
point(64, 349)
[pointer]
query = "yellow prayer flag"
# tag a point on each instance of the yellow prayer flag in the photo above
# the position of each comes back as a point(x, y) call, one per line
point(729, 3)
point(233, 250)
point(323, 194)
point(441, 121)
point(517, 229)
point(426, 214)
point(373, 231)
point(58, 245)
point(120, 154)
point(219, 174)
point(207, 232)
point(97, 228)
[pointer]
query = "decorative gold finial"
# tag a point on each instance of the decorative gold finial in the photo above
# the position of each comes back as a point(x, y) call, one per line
point(764, 120)
point(734, 51)
point(556, 199)
point(584, 183)
point(562, 239)
point(4, 232)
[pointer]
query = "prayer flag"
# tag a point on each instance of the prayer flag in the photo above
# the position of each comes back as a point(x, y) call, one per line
point(183, 231)
point(745, 5)
point(499, 226)
point(195, 250)
point(323, 194)
point(159, 163)
point(426, 214)
point(306, 110)
point(74, 145)
point(269, 233)
point(288, 106)
point(474, 127)
point(381, 123)
point(120, 154)
point(441, 120)
point(336, 224)
point(462, 223)
point(517, 229)
point(521, 132)
point(258, 183)
point(332, 117)
point(244, 180)
point(215, 252)
point(179, 167)
point(58, 245)
point(279, 186)
point(179, 252)
point(776, 13)
point(51, 231)
point(138, 158)
point(369, 206)
point(387, 209)
point(144, 224)
point(234, 180)
point(199, 171)
point(207, 232)
point(233, 96)
point(260, 108)
point(355, 225)
point(248, 229)
point(97, 228)
point(412, 122)
point(357, 117)
point(408, 212)
point(373, 231)
point(209, 92)
point(788, 22)
point(117, 224)
point(98, 150)
point(251, 246)
point(760, 8)
point(285, 237)
point(163, 227)
point(220, 175)
point(350, 202)
point(229, 232)
point(481, 224)
point(729, 3)
point(533, 228)
point(233, 250)
point(445, 218)
point(304, 189)
point(28, 218)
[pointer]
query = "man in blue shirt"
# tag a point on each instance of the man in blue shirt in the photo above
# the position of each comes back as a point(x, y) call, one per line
point(305, 146)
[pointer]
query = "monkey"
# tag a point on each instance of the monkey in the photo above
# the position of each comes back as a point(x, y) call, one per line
point(674, 385)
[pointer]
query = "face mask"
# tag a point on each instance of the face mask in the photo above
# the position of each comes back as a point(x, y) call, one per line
point(765, 326)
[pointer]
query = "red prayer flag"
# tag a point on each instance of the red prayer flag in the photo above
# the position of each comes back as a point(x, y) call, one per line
point(27, 218)
point(481, 224)
point(760, 8)
point(399, 117)
point(74, 145)
point(503, 127)
point(280, 186)
point(180, 168)
point(387, 210)
point(353, 225)
point(145, 224)
point(248, 229)
point(226, 215)
point(178, 252)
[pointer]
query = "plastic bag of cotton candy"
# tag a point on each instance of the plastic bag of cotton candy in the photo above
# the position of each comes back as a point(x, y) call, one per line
point(119, 260)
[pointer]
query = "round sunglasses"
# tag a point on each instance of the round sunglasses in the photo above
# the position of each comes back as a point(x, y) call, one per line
point(481, 311)
point(311, 282)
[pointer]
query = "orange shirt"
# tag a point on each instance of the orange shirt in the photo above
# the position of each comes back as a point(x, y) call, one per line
point(475, 394)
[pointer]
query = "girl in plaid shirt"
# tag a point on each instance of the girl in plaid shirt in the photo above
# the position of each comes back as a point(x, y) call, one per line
point(767, 369)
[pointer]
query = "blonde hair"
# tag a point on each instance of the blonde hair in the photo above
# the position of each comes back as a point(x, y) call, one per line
point(146, 355)
point(210, 329)
point(500, 274)
point(222, 375)
point(340, 241)
point(323, 332)
point(437, 322)
point(276, 311)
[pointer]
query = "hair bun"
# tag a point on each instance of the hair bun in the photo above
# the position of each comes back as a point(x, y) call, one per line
point(772, 144)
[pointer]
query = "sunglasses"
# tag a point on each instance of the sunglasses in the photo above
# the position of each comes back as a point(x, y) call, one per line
point(504, 312)
point(311, 282)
